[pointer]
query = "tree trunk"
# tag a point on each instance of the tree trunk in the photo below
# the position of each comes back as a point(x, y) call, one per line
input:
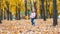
point(7, 4)
point(17, 13)
point(25, 7)
point(46, 9)
point(44, 17)
point(54, 13)
point(0, 15)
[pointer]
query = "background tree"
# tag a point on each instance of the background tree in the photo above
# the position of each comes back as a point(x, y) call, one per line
point(1, 11)
point(42, 10)
point(25, 7)
point(7, 4)
point(47, 9)
point(17, 12)
point(54, 13)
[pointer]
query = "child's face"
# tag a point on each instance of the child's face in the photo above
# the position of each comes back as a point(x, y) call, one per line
point(32, 11)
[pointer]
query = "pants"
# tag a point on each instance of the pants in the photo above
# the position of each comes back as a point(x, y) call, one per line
point(32, 20)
